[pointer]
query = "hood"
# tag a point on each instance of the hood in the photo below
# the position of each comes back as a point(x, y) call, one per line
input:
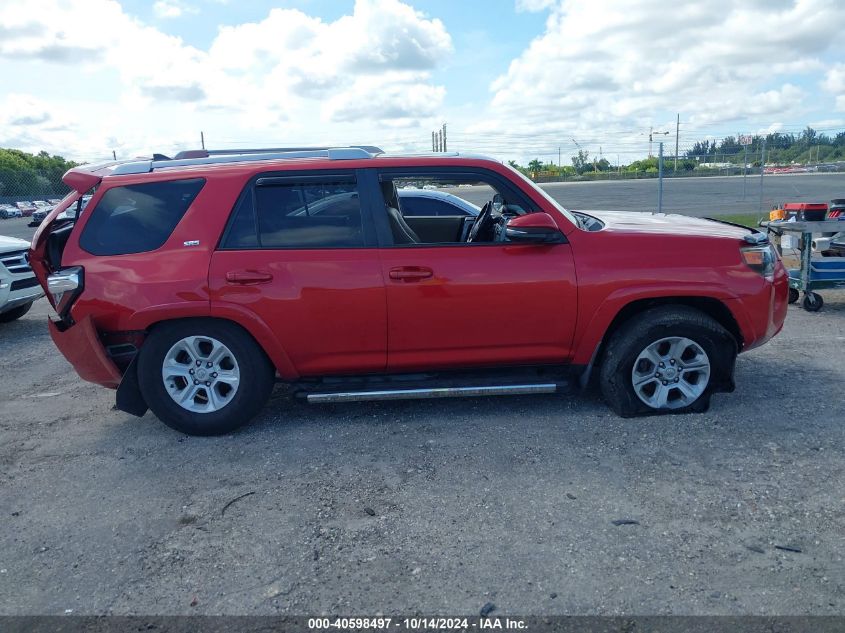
point(9, 244)
point(666, 223)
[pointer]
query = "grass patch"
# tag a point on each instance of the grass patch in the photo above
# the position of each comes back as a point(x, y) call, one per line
point(746, 219)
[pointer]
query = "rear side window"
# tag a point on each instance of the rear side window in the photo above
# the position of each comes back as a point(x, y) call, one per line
point(290, 213)
point(138, 218)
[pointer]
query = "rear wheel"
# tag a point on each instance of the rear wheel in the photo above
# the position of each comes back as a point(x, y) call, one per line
point(813, 302)
point(666, 359)
point(204, 377)
point(15, 313)
point(794, 295)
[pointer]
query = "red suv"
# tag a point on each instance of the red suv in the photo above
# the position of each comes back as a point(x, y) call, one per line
point(192, 284)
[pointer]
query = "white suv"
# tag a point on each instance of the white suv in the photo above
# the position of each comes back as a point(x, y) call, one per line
point(18, 285)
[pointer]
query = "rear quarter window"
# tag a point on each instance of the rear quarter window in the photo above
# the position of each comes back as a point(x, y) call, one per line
point(138, 218)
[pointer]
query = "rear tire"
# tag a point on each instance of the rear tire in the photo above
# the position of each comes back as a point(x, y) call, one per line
point(794, 295)
point(813, 302)
point(15, 313)
point(169, 367)
point(679, 337)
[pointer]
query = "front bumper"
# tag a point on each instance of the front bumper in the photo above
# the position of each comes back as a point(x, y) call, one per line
point(11, 296)
point(82, 348)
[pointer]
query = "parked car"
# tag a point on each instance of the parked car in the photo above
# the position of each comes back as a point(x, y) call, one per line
point(192, 285)
point(425, 202)
point(38, 216)
point(26, 208)
point(18, 285)
point(8, 211)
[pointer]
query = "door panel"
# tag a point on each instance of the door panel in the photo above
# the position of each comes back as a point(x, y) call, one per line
point(481, 305)
point(326, 307)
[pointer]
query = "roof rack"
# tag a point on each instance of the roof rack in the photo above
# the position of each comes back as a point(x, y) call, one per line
point(212, 157)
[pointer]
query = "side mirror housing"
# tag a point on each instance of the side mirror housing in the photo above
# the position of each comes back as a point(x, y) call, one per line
point(536, 228)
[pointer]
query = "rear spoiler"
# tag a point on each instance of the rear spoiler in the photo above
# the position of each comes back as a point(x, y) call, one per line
point(754, 238)
point(84, 177)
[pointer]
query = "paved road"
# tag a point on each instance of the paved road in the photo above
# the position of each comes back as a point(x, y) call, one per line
point(433, 506)
point(699, 196)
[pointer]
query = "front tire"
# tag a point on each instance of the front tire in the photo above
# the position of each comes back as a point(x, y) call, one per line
point(15, 313)
point(666, 360)
point(204, 377)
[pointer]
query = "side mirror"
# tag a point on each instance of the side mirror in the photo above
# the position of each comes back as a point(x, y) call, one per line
point(537, 228)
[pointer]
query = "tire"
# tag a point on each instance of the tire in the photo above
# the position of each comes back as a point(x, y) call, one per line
point(216, 409)
point(813, 302)
point(15, 313)
point(794, 295)
point(706, 342)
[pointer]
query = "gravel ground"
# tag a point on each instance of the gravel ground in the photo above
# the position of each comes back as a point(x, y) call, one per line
point(430, 507)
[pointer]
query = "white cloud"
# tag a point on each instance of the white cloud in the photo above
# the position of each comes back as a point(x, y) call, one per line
point(289, 68)
point(834, 83)
point(615, 67)
point(165, 9)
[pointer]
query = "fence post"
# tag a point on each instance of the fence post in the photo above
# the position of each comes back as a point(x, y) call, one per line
point(660, 178)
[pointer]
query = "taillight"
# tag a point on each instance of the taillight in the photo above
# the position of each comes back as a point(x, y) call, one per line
point(761, 259)
point(64, 287)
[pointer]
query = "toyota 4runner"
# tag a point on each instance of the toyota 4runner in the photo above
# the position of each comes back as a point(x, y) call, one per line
point(191, 285)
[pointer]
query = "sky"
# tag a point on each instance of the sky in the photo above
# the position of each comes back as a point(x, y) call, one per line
point(515, 79)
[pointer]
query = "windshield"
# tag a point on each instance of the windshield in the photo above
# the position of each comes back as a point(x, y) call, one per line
point(546, 196)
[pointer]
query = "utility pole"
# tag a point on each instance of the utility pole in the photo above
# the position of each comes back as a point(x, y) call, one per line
point(677, 133)
point(744, 171)
point(558, 158)
point(444, 137)
point(433, 142)
point(660, 179)
point(762, 171)
point(202, 140)
point(114, 154)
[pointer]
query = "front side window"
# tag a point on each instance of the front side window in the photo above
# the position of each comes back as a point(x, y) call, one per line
point(287, 213)
point(138, 218)
point(447, 207)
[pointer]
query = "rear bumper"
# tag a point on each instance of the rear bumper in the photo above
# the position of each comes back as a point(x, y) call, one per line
point(82, 348)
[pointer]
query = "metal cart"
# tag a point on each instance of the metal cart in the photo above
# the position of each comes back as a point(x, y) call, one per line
point(814, 274)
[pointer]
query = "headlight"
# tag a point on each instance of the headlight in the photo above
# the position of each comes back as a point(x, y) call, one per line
point(761, 259)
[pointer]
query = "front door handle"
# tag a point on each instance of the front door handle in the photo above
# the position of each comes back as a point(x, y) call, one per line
point(411, 273)
point(248, 277)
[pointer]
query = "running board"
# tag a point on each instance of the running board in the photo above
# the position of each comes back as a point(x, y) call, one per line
point(437, 392)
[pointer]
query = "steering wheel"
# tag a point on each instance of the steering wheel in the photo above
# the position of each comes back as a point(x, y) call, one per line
point(482, 228)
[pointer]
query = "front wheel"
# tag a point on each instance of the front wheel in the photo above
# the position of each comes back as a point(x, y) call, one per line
point(204, 377)
point(667, 359)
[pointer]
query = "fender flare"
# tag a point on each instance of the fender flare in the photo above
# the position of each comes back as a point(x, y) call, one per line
point(248, 320)
point(589, 340)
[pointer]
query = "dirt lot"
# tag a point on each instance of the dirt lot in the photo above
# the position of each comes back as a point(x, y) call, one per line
point(430, 507)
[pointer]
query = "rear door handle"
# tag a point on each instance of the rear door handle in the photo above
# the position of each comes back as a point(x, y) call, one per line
point(248, 277)
point(411, 273)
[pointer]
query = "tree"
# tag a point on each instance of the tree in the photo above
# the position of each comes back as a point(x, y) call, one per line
point(581, 162)
point(535, 166)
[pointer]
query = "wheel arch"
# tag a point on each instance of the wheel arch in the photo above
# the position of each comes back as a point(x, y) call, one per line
point(711, 306)
point(253, 327)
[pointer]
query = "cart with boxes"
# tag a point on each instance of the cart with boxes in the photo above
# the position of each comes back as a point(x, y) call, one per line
point(794, 225)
